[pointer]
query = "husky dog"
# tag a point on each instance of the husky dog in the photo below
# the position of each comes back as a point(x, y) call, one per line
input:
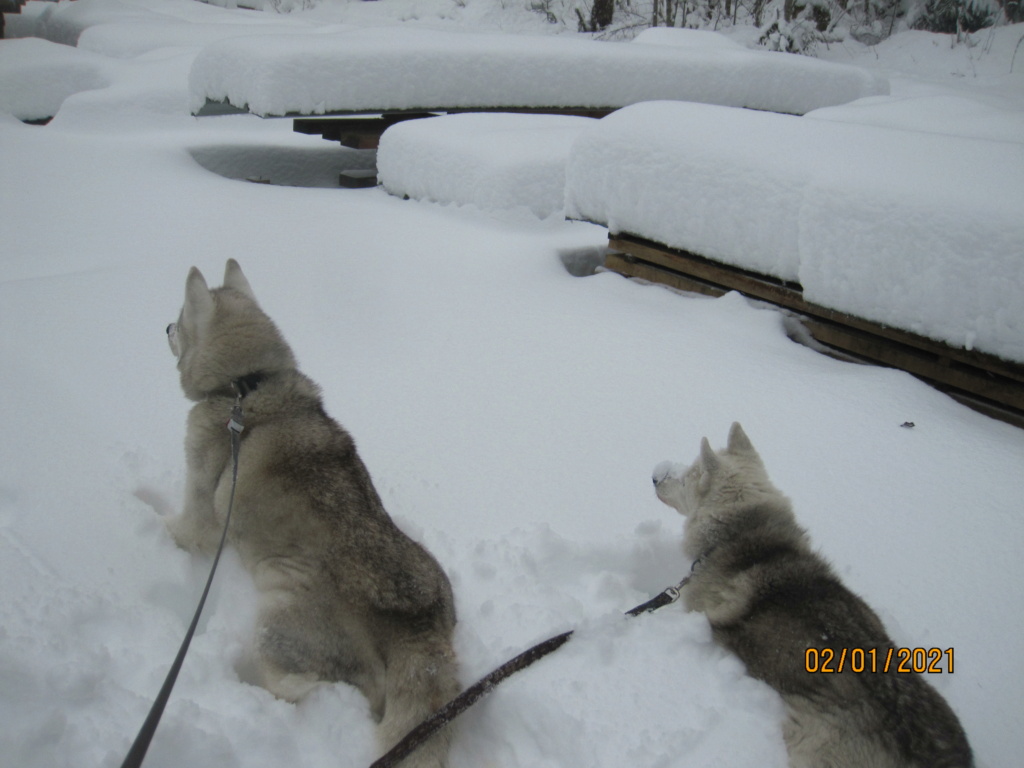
point(769, 598)
point(343, 593)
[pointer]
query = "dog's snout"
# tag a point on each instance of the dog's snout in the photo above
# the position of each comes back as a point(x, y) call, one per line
point(663, 470)
point(170, 328)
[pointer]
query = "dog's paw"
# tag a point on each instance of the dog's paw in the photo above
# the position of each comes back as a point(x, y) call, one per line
point(192, 536)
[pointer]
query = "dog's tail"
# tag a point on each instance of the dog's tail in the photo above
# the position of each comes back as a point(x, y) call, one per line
point(420, 679)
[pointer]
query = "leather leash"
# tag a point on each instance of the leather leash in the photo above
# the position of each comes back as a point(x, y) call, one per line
point(486, 684)
point(137, 753)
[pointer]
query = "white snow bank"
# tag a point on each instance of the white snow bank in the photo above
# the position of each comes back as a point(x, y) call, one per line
point(950, 114)
point(64, 22)
point(494, 161)
point(914, 230)
point(128, 29)
point(983, 61)
point(687, 38)
point(407, 68)
point(133, 38)
point(36, 76)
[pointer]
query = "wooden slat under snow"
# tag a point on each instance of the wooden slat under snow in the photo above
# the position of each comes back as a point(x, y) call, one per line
point(364, 132)
point(992, 384)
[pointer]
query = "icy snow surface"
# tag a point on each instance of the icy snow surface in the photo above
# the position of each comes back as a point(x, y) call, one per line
point(885, 224)
point(494, 161)
point(510, 415)
point(402, 68)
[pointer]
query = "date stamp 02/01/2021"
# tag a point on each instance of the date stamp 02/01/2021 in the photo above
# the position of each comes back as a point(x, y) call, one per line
point(902, 660)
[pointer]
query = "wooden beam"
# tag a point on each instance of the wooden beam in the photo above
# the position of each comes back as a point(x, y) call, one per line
point(976, 374)
point(364, 132)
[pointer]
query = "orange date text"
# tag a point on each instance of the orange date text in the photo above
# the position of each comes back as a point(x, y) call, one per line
point(901, 660)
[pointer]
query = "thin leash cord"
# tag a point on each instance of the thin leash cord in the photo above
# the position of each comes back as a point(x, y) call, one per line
point(485, 685)
point(137, 753)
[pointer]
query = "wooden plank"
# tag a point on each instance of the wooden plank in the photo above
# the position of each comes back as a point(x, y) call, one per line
point(933, 367)
point(364, 132)
point(790, 296)
point(354, 132)
point(982, 378)
point(362, 179)
point(617, 262)
point(212, 108)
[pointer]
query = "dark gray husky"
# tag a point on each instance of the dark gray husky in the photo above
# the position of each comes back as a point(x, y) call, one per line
point(770, 598)
point(344, 595)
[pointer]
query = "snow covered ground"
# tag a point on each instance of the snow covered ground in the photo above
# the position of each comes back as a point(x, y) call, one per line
point(509, 412)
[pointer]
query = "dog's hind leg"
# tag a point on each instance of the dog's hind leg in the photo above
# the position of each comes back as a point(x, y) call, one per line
point(420, 678)
point(290, 686)
point(298, 647)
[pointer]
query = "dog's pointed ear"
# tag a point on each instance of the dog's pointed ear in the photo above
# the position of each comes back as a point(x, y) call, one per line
point(234, 278)
point(709, 460)
point(738, 440)
point(198, 310)
point(709, 464)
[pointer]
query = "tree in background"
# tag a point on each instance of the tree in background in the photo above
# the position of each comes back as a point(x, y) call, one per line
point(789, 25)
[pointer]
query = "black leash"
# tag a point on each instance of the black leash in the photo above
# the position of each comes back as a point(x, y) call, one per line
point(137, 753)
point(485, 685)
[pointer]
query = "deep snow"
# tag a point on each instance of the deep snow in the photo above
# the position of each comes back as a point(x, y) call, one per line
point(509, 412)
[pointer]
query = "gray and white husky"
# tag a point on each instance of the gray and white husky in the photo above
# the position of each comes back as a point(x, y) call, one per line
point(344, 595)
point(769, 598)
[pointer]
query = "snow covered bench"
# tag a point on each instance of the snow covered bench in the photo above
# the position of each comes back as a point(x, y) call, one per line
point(492, 161)
point(897, 229)
point(396, 70)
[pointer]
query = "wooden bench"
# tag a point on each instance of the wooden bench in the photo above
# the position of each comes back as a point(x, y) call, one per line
point(352, 84)
point(362, 130)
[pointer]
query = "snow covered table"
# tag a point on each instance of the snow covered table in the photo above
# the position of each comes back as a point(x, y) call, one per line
point(397, 69)
point(916, 236)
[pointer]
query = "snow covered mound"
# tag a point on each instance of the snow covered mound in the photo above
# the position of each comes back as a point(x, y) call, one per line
point(494, 161)
point(36, 76)
point(393, 68)
point(949, 114)
point(126, 29)
point(915, 230)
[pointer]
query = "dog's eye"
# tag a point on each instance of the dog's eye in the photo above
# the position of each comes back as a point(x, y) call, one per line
point(172, 339)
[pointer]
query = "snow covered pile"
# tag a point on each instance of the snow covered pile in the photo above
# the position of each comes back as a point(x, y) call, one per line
point(36, 76)
point(943, 113)
point(493, 161)
point(125, 29)
point(406, 68)
point(921, 231)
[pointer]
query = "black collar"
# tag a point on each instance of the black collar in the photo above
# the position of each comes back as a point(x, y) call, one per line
point(244, 385)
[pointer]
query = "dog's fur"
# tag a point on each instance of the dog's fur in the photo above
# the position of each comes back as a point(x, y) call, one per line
point(344, 595)
point(769, 597)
